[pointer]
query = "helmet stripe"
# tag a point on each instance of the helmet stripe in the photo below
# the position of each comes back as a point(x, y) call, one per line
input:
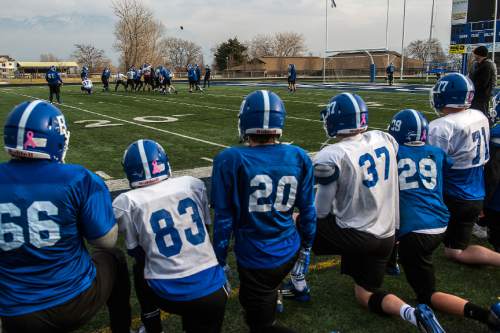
point(419, 124)
point(356, 108)
point(144, 160)
point(267, 107)
point(22, 122)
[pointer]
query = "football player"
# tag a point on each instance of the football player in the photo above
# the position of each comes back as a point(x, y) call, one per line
point(106, 74)
point(464, 135)
point(48, 280)
point(138, 84)
point(207, 78)
point(357, 204)
point(86, 86)
point(120, 80)
point(84, 74)
point(198, 75)
point(292, 77)
point(130, 79)
point(55, 82)
point(492, 180)
point(424, 216)
point(163, 220)
point(255, 189)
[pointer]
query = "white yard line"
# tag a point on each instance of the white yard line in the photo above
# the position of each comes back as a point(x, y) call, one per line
point(128, 122)
point(211, 160)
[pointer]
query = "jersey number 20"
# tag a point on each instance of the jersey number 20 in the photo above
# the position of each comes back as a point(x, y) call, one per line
point(168, 228)
point(264, 185)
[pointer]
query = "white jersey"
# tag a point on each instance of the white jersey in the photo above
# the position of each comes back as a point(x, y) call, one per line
point(167, 220)
point(87, 84)
point(130, 75)
point(358, 179)
point(464, 136)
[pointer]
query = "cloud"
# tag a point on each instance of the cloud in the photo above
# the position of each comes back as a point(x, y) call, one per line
point(33, 27)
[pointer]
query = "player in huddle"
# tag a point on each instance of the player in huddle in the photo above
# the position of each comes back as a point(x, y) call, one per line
point(255, 189)
point(163, 220)
point(357, 205)
point(464, 135)
point(48, 280)
point(424, 216)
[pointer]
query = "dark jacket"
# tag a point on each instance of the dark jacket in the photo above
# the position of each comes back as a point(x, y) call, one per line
point(484, 77)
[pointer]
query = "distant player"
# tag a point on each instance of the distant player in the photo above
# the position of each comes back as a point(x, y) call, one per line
point(357, 204)
point(255, 189)
point(48, 280)
point(198, 74)
point(138, 84)
point(207, 78)
point(292, 77)
point(147, 71)
point(191, 73)
point(86, 86)
point(424, 216)
point(492, 180)
point(106, 74)
point(163, 220)
point(130, 79)
point(464, 135)
point(120, 80)
point(166, 81)
point(390, 73)
point(55, 82)
point(84, 74)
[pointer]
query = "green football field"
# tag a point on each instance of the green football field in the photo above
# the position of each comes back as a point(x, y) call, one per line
point(193, 128)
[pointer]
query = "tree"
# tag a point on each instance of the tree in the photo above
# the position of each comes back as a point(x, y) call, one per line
point(48, 57)
point(137, 33)
point(180, 52)
point(260, 46)
point(231, 53)
point(281, 44)
point(426, 50)
point(89, 55)
point(288, 44)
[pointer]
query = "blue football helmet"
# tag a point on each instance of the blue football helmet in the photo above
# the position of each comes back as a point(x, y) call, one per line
point(345, 114)
point(145, 163)
point(452, 90)
point(409, 126)
point(53, 68)
point(261, 112)
point(37, 130)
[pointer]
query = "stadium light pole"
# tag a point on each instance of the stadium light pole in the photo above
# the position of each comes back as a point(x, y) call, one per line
point(429, 42)
point(333, 4)
point(403, 43)
point(387, 32)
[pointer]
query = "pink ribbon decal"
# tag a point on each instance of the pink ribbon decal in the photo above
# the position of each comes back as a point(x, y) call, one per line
point(29, 140)
point(156, 168)
point(423, 136)
point(363, 119)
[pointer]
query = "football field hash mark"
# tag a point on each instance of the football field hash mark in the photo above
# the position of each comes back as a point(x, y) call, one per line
point(127, 121)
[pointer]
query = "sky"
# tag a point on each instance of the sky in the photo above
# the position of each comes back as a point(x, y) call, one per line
point(29, 28)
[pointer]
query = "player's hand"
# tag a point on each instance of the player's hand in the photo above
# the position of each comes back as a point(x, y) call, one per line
point(302, 264)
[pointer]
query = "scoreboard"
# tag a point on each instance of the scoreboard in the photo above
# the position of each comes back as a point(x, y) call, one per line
point(472, 23)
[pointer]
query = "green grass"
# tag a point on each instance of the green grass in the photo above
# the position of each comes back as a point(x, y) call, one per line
point(213, 117)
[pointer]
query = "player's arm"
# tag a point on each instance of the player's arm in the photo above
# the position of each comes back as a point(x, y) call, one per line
point(122, 209)
point(98, 224)
point(439, 136)
point(326, 175)
point(492, 171)
point(221, 203)
point(305, 204)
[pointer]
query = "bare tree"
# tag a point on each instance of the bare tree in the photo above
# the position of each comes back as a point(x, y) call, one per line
point(179, 52)
point(89, 55)
point(288, 44)
point(281, 44)
point(46, 57)
point(426, 50)
point(137, 33)
point(260, 46)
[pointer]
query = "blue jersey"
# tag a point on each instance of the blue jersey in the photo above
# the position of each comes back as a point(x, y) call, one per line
point(165, 73)
point(46, 209)
point(254, 192)
point(494, 202)
point(84, 74)
point(106, 73)
point(421, 206)
point(53, 78)
point(292, 74)
point(192, 74)
point(198, 73)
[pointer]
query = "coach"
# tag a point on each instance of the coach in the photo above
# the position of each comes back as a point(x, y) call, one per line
point(484, 76)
